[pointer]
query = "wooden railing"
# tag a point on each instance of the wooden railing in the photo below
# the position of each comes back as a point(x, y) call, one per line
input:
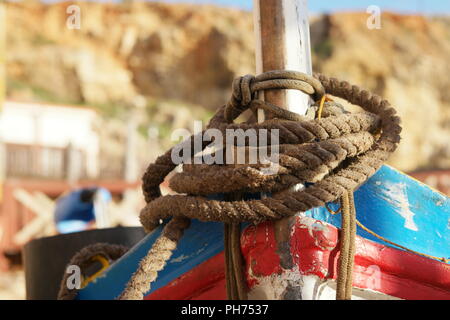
point(27, 161)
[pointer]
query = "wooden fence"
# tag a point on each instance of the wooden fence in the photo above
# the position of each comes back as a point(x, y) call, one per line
point(28, 161)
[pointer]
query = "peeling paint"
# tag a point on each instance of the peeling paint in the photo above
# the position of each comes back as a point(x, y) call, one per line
point(183, 257)
point(180, 258)
point(273, 287)
point(309, 287)
point(396, 195)
point(312, 225)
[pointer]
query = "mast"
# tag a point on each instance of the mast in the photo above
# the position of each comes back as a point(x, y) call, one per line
point(283, 42)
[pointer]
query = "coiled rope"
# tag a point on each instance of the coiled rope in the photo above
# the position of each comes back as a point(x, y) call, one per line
point(83, 258)
point(336, 153)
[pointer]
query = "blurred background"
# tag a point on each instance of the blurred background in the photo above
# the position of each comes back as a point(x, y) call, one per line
point(91, 91)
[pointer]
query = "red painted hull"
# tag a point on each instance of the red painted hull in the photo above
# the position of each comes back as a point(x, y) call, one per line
point(314, 250)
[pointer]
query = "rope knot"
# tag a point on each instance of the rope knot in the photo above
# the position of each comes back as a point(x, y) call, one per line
point(241, 97)
point(245, 88)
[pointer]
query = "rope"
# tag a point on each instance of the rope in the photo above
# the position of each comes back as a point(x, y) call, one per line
point(155, 260)
point(340, 137)
point(347, 248)
point(347, 254)
point(234, 263)
point(336, 153)
point(322, 103)
point(442, 259)
point(83, 259)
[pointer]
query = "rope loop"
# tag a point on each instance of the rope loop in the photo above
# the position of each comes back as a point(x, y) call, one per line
point(246, 87)
point(334, 154)
point(83, 258)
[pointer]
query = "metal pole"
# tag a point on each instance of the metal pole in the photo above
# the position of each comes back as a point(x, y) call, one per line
point(283, 42)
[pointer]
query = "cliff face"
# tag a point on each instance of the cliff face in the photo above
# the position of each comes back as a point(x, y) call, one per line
point(191, 54)
point(178, 52)
point(407, 62)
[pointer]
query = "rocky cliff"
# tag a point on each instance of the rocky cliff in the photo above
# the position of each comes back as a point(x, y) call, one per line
point(189, 55)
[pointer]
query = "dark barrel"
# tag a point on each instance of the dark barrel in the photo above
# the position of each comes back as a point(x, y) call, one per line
point(45, 259)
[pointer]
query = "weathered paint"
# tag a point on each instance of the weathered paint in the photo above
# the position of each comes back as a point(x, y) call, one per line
point(206, 281)
point(278, 287)
point(312, 242)
point(380, 272)
point(315, 251)
point(200, 242)
point(396, 194)
point(428, 209)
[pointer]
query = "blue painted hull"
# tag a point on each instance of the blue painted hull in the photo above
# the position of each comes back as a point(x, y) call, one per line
point(392, 204)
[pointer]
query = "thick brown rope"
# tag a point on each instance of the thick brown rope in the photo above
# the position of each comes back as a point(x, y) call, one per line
point(83, 258)
point(155, 260)
point(339, 136)
point(429, 256)
point(344, 149)
point(234, 263)
point(347, 248)
point(337, 153)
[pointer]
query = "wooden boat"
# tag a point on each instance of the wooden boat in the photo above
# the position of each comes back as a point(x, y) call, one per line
point(297, 258)
point(392, 204)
